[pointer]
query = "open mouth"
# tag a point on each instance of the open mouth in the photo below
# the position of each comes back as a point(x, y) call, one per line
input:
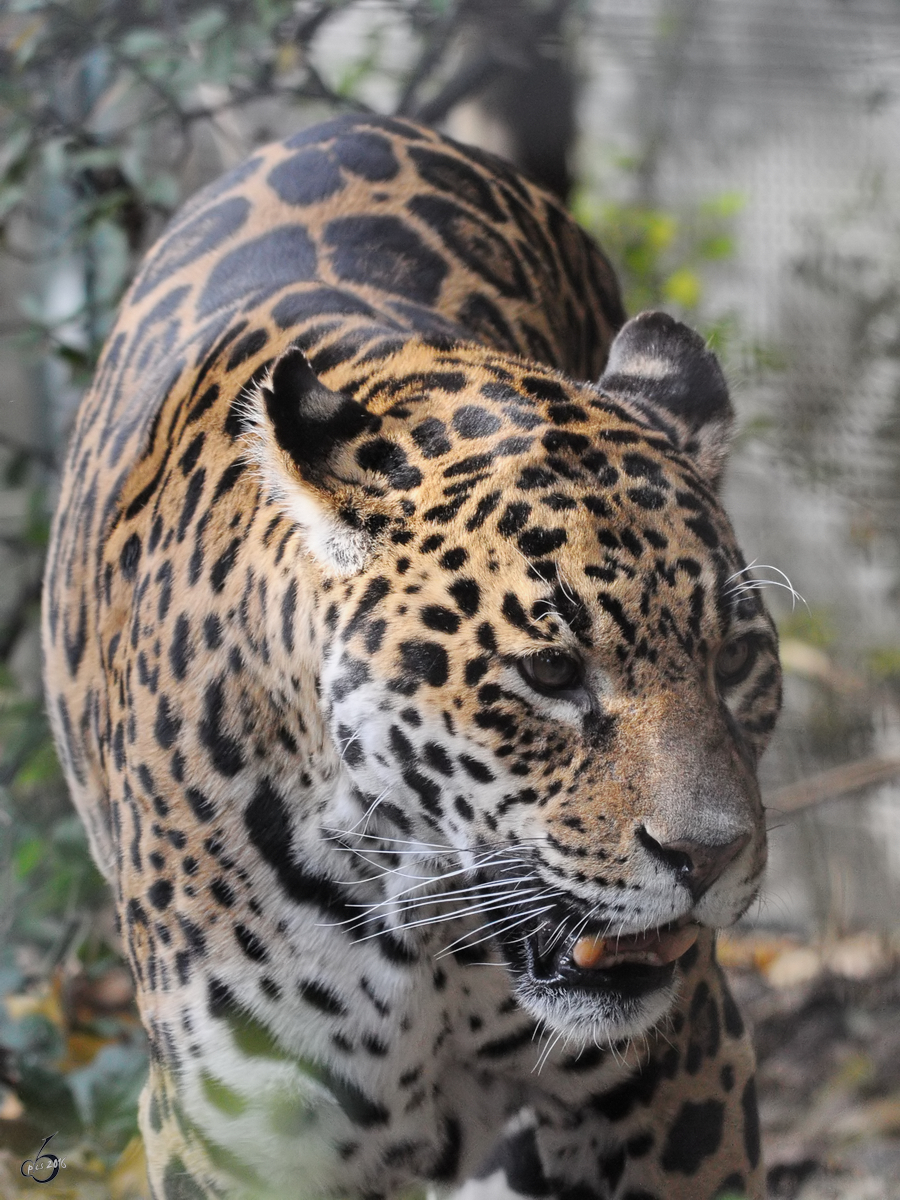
point(628, 967)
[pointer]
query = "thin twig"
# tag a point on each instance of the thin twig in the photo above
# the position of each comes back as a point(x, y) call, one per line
point(836, 782)
point(425, 67)
point(471, 79)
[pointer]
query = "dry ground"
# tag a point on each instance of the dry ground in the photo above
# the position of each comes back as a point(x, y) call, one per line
point(827, 1031)
point(827, 1028)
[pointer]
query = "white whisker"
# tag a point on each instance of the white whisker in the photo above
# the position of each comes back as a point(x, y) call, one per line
point(349, 742)
point(479, 891)
point(549, 1046)
point(476, 900)
point(744, 587)
point(494, 929)
point(443, 918)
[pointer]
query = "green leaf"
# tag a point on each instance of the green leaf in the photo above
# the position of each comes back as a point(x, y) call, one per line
point(72, 355)
point(162, 190)
point(15, 151)
point(683, 287)
point(107, 1091)
point(10, 198)
point(814, 626)
point(884, 663)
point(725, 206)
point(716, 248)
point(42, 767)
point(48, 1099)
point(205, 25)
point(28, 855)
point(94, 157)
point(68, 833)
point(143, 43)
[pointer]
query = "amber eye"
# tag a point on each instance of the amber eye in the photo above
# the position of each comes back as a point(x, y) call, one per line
point(551, 671)
point(735, 661)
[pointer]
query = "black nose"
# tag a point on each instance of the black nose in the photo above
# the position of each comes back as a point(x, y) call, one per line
point(695, 864)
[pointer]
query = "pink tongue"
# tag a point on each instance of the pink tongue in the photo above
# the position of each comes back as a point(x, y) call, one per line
point(659, 946)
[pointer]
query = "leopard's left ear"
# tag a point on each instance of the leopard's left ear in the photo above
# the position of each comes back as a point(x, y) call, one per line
point(325, 460)
point(664, 369)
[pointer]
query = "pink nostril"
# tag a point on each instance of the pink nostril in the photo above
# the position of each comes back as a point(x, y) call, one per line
point(696, 864)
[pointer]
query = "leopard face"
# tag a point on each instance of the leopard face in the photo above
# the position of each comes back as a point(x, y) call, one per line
point(540, 661)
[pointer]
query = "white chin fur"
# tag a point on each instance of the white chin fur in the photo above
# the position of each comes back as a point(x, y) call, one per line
point(593, 1019)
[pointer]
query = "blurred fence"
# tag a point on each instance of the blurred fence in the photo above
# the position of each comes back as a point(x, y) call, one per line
point(739, 159)
point(794, 110)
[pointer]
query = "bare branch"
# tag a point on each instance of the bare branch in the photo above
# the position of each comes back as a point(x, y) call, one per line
point(474, 75)
point(428, 62)
point(834, 783)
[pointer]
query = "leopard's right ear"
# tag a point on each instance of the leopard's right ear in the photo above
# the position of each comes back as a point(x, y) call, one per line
point(301, 435)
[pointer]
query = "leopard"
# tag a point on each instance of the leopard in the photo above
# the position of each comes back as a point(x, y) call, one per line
point(411, 685)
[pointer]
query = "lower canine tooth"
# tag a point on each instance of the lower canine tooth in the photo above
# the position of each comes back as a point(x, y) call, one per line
point(588, 951)
point(656, 947)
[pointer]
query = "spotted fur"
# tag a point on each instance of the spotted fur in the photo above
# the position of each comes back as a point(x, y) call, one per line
point(388, 655)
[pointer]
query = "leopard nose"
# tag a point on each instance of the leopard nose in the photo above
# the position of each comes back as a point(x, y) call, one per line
point(696, 864)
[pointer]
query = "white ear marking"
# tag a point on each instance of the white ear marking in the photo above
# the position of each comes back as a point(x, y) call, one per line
point(314, 504)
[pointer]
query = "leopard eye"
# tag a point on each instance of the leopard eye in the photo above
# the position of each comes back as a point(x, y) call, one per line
point(735, 660)
point(550, 671)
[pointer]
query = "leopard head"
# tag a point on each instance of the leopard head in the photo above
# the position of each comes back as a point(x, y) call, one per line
point(537, 657)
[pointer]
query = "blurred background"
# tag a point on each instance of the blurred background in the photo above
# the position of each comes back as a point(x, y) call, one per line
point(739, 160)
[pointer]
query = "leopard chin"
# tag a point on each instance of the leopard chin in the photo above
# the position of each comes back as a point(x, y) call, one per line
point(599, 990)
point(595, 1016)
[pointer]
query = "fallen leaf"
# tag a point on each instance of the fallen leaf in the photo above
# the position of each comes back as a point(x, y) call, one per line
point(859, 957)
point(81, 1049)
point(45, 1001)
point(128, 1178)
point(11, 1109)
point(794, 967)
point(873, 1119)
